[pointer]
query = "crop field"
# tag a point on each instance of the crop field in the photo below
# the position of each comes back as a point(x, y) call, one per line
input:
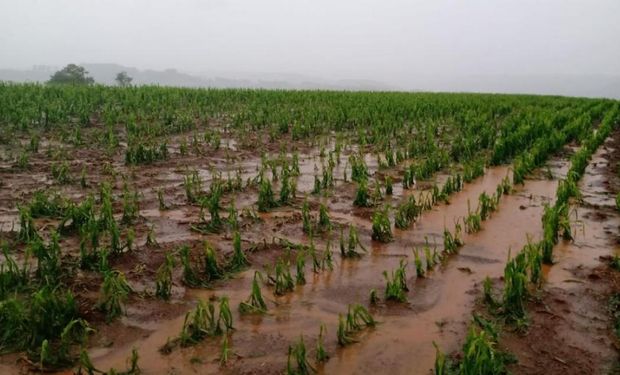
point(160, 230)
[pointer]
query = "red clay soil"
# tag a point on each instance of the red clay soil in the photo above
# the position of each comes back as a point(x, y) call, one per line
point(571, 328)
point(569, 331)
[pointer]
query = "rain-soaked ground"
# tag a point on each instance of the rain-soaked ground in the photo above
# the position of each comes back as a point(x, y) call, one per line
point(439, 305)
point(569, 323)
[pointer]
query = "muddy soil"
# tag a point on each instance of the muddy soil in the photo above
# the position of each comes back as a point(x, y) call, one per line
point(438, 309)
point(439, 305)
point(571, 330)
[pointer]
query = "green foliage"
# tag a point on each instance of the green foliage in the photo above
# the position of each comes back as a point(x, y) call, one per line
point(359, 170)
point(480, 355)
point(233, 216)
point(396, 283)
point(224, 351)
point(142, 153)
point(27, 229)
point(357, 318)
point(44, 204)
point(285, 188)
point(327, 261)
point(300, 277)
point(151, 240)
point(344, 337)
point(442, 365)
point(362, 197)
point(350, 248)
point(389, 190)
point(489, 298)
point(505, 186)
point(193, 186)
point(282, 279)
point(131, 206)
point(432, 257)
point(473, 170)
point(324, 222)
point(321, 354)
point(614, 263)
point(381, 226)
point(213, 204)
point(452, 185)
point(44, 317)
point(317, 185)
point(58, 354)
point(204, 322)
point(486, 205)
point(163, 278)
point(255, 303)
point(419, 266)
point(48, 260)
point(13, 278)
point(420, 133)
point(266, 199)
point(23, 161)
point(71, 75)
point(534, 260)
point(212, 270)
point(515, 288)
point(191, 275)
point(113, 295)
point(239, 260)
point(374, 299)
point(554, 219)
point(407, 213)
point(473, 220)
point(452, 241)
point(123, 79)
point(299, 354)
point(86, 366)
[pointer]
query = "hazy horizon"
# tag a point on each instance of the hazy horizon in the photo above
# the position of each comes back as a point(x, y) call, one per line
point(409, 45)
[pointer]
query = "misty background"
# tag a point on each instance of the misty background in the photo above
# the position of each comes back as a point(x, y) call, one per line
point(565, 47)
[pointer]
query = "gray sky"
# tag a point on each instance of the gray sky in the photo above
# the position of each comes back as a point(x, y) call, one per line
point(386, 40)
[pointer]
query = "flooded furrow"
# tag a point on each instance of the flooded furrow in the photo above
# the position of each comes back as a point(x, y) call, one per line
point(571, 326)
point(441, 304)
point(595, 224)
point(438, 310)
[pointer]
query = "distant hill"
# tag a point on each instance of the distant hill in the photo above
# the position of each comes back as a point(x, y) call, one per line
point(36, 74)
point(593, 85)
point(105, 74)
point(586, 85)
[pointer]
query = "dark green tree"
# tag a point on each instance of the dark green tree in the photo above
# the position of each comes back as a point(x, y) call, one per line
point(123, 79)
point(71, 75)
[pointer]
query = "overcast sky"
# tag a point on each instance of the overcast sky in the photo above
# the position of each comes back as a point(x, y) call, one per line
point(385, 40)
